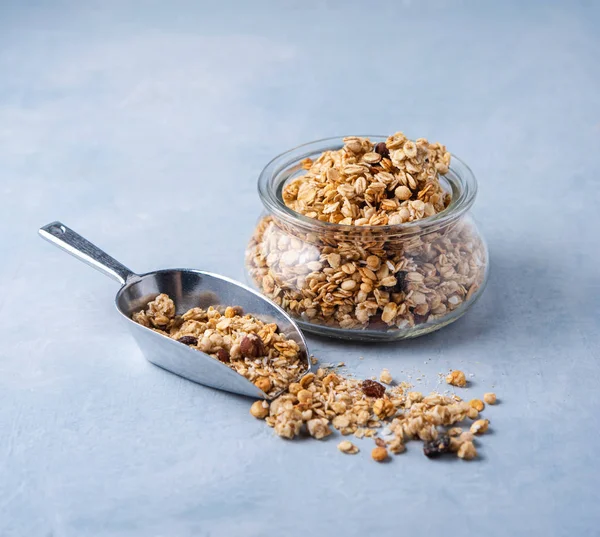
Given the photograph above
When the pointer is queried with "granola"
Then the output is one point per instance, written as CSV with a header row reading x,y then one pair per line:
x,y
366,184
393,416
249,346
361,276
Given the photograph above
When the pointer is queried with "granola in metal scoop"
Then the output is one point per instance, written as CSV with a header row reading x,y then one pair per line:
x,y
253,348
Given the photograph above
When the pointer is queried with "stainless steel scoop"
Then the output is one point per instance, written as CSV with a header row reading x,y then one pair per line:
x,y
188,288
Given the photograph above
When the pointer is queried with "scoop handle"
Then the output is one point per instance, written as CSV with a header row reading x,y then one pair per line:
x,y
74,244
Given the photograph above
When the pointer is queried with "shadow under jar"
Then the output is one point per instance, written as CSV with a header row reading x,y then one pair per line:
x,y
367,282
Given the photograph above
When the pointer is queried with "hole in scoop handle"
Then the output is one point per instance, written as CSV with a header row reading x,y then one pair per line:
x,y
74,244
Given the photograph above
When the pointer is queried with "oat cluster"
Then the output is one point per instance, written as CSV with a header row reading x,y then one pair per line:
x,y
254,349
366,282
366,184
392,416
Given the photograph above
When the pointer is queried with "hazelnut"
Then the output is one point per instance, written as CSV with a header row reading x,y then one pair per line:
x,y
260,409
252,346
379,454
489,398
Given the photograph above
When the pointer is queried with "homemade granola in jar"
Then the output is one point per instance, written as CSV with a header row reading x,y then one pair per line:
x,y
368,238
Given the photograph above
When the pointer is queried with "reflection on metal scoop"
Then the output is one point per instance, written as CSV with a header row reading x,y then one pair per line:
x,y
188,288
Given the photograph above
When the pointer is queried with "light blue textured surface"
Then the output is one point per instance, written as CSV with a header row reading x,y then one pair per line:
x,y
143,125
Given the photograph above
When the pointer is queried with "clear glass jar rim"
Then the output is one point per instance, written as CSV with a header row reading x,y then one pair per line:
x,y
460,177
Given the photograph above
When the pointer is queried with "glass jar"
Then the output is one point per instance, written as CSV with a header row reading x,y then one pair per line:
x,y
367,282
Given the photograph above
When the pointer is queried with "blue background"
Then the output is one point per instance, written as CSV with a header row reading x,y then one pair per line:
x,y
144,125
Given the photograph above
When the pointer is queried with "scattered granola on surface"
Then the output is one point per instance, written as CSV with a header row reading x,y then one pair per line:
x,y
393,415
362,278
252,348
385,377
489,398
366,184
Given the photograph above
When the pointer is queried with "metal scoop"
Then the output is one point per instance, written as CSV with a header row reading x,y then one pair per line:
x,y
188,288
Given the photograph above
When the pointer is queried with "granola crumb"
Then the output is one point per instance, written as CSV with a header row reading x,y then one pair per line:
x,y
318,428
489,398
456,378
397,446
379,454
347,447
385,377
467,451
472,413
477,404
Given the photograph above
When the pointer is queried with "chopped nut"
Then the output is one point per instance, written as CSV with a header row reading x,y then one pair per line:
x,y
455,431
480,426
259,409
223,356
385,377
467,451
477,404
347,447
384,408
263,383
473,413
467,436
415,397
456,378
489,398
379,454
294,388
318,428
380,442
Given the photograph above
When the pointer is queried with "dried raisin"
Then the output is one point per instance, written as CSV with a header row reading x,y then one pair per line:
x,y
400,280
372,389
382,149
437,447
188,340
